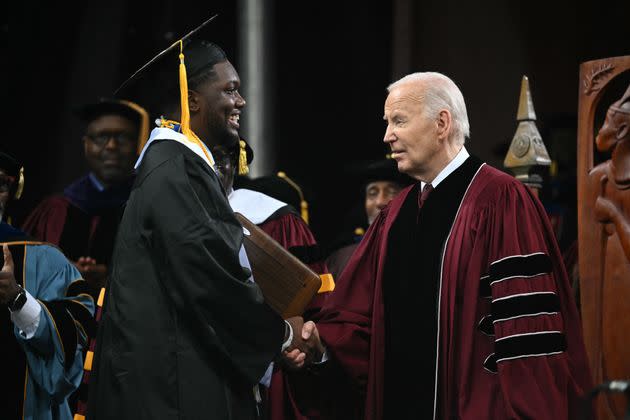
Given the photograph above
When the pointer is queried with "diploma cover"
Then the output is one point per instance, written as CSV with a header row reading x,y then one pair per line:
x,y
286,282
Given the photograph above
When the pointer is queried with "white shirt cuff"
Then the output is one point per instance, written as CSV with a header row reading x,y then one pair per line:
x,y
287,343
27,318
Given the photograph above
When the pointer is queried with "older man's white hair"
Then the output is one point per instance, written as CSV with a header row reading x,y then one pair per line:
x,y
438,93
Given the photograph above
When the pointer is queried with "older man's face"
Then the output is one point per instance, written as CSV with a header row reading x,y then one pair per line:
x,y
412,137
110,148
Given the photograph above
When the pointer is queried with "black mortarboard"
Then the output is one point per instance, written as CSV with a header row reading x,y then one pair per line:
x,y
124,108
198,55
158,75
379,170
280,187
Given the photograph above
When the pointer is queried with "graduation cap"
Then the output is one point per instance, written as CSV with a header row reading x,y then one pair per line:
x,y
124,108
379,170
280,187
194,57
15,170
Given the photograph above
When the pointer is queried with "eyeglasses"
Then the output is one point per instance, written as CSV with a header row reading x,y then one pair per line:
x,y
101,139
6,182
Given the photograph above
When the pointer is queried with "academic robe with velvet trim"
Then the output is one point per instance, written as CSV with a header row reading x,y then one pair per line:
x,y
282,223
83,221
40,372
184,334
459,310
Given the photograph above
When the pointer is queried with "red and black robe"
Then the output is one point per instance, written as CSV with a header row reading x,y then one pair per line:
x,y
83,221
460,310
282,223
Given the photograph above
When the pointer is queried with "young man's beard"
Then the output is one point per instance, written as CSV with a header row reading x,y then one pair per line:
x,y
221,135
229,140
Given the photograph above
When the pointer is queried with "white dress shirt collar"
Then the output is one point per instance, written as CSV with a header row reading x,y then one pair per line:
x,y
450,168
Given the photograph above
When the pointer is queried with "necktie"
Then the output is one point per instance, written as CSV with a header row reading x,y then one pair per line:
x,y
425,193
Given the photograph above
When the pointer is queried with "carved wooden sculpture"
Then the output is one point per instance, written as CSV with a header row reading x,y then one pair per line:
x,y
604,229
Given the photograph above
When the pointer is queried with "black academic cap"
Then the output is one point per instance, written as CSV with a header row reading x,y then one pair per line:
x,y
158,79
379,170
108,106
280,187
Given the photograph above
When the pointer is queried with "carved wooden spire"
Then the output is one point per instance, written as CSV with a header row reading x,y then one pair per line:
x,y
527,150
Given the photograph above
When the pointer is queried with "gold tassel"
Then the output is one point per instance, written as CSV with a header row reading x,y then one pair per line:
x,y
20,187
303,203
304,210
183,94
243,169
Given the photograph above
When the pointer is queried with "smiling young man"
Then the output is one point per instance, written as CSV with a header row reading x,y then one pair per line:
x,y
185,332
464,263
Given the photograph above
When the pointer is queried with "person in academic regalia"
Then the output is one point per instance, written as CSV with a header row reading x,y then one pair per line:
x,y
380,183
456,303
46,315
285,225
270,202
84,219
185,332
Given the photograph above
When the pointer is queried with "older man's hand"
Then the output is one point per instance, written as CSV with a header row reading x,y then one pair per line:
x,y
306,347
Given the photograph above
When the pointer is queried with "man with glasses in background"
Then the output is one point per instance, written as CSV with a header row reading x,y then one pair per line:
x,y
84,219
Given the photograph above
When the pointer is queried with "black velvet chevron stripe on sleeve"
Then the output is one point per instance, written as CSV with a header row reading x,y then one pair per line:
x,y
515,266
528,345
519,266
544,343
526,304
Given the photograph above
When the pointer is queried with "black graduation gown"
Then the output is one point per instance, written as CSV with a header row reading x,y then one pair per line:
x,y
183,335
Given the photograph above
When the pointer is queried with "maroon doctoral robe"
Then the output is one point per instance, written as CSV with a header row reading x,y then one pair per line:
x,y
460,310
280,221
83,221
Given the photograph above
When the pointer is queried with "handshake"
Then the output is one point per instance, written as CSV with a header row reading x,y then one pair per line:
x,y
306,346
